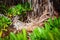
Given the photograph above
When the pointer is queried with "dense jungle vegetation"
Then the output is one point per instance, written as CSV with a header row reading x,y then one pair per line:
x,y
29,20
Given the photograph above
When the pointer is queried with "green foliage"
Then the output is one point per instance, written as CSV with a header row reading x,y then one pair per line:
x,y
50,32
0,38
44,34
3,9
22,36
55,22
12,36
18,36
27,6
4,23
19,9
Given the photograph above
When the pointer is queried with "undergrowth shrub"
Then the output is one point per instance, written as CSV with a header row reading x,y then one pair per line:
x,y
54,23
48,32
51,31
43,34
19,9
19,36
4,23
3,9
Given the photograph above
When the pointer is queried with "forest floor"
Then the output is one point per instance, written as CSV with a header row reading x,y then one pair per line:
x,y
38,22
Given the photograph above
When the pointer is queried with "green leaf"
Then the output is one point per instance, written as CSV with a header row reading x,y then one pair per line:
x,y
24,34
47,26
0,38
12,36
